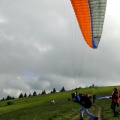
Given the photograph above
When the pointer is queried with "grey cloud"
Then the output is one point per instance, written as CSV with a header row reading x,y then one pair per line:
x,y
41,48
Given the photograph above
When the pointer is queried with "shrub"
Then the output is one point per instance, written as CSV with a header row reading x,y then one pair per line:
x,y
10,102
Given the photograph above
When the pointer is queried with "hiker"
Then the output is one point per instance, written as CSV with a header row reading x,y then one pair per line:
x,y
115,101
85,102
73,96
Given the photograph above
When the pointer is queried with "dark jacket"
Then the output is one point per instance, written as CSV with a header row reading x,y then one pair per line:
x,y
115,97
83,100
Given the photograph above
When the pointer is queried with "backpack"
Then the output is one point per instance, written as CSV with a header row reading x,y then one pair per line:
x,y
85,101
77,99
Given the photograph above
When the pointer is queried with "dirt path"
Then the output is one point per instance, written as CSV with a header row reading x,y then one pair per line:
x,y
100,113
75,117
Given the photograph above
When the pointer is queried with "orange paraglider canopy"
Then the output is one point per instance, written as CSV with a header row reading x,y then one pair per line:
x,y
90,16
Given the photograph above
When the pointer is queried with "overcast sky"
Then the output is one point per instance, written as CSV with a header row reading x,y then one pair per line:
x,y
41,48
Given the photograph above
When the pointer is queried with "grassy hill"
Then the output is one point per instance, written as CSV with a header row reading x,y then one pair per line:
x,y
40,107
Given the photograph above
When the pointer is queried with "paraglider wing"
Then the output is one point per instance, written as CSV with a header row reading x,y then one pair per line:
x,y
90,16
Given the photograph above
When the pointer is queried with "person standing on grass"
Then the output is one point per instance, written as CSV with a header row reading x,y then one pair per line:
x,y
73,96
85,102
115,101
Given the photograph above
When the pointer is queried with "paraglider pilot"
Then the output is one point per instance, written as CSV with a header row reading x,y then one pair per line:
x,y
85,102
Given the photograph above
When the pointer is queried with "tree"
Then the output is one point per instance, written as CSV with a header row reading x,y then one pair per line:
x,y
54,90
25,95
21,95
29,95
92,86
43,92
34,93
8,97
62,90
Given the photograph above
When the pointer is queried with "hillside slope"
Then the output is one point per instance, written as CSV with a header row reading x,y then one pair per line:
x,y
41,108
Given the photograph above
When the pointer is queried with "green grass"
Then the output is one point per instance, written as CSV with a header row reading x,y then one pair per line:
x,y
40,107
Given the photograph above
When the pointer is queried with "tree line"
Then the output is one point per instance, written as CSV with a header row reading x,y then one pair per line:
x,y
33,94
